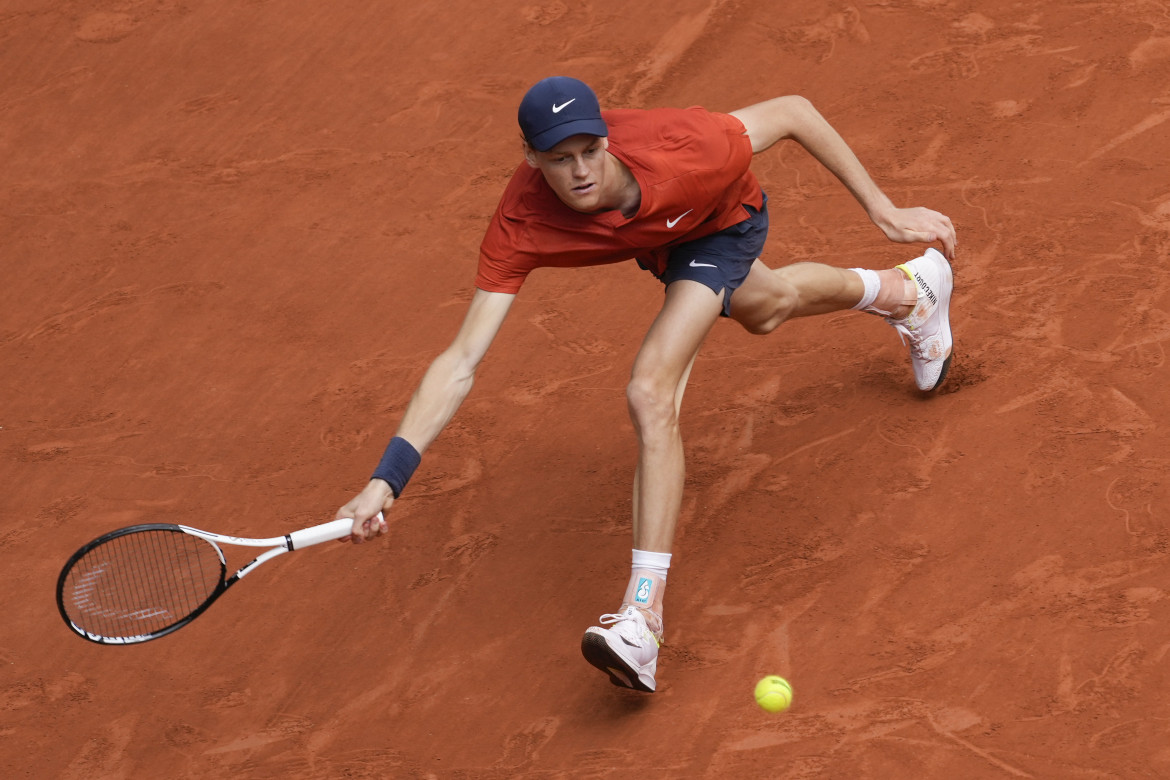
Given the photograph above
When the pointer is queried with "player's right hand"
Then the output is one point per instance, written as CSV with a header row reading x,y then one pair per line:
x,y
364,508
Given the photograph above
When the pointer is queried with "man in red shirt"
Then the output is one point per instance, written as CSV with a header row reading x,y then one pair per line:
x,y
673,189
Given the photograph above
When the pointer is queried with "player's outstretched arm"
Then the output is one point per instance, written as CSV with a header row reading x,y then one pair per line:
x,y
793,117
445,385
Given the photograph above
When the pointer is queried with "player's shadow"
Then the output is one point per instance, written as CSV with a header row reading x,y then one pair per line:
x,y
614,704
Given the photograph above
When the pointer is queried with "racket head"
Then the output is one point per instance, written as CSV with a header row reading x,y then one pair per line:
x,y
139,583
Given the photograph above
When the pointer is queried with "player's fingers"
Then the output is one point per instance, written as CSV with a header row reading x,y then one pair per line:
x,y
345,513
947,237
945,231
361,530
948,242
919,236
370,529
942,232
376,526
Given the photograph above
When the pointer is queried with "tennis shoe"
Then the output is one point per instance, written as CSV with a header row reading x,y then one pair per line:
x,y
927,328
627,651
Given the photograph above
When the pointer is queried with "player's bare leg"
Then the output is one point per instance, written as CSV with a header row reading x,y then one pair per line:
x,y
770,296
914,298
654,395
628,649
678,398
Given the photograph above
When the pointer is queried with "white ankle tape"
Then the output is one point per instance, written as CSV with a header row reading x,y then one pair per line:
x,y
872,285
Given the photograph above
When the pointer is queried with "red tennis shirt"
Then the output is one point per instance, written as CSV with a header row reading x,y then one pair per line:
x,y
692,167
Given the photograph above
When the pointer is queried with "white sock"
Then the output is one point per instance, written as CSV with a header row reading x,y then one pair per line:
x,y
656,562
872,285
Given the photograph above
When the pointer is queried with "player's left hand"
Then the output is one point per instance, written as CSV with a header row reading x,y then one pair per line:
x,y
920,225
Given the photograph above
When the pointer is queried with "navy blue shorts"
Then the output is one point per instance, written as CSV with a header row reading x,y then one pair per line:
x,y
721,260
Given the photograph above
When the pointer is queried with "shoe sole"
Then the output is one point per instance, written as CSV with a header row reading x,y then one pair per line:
x,y
598,653
946,321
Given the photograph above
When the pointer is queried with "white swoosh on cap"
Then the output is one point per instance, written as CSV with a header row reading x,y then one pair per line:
x,y
557,109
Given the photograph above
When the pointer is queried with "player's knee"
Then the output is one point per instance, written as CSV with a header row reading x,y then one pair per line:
x,y
651,405
770,312
762,326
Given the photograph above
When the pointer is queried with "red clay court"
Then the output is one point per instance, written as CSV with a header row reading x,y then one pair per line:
x,y
234,235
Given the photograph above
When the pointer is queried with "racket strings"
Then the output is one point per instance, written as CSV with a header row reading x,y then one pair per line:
x,y
141,583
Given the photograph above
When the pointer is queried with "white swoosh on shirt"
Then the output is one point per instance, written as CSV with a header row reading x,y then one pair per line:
x,y
670,223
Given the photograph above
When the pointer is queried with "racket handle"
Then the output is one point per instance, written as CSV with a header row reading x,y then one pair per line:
x,y
326,532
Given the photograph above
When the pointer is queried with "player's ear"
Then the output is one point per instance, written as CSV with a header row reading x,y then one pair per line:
x,y
529,154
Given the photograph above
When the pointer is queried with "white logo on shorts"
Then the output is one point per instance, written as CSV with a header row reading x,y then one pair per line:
x,y
697,264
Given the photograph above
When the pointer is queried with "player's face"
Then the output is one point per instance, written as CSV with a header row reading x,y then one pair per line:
x,y
575,169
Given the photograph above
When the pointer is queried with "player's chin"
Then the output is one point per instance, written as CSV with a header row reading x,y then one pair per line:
x,y
583,199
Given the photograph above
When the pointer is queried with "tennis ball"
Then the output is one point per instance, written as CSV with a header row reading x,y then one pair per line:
x,y
773,693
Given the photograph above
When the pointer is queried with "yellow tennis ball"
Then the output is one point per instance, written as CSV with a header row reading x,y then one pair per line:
x,y
773,693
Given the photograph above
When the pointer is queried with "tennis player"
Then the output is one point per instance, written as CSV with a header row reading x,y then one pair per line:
x,y
673,189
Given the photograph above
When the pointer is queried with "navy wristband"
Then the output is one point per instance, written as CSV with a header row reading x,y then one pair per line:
x,y
398,464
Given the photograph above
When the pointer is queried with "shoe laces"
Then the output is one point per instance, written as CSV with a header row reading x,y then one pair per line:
x,y
616,617
626,623
921,345
914,338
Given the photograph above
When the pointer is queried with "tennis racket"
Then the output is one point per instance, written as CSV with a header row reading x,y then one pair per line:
x,y
144,581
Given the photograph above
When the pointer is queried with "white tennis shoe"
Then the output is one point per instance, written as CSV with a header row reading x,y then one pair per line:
x,y
927,327
627,651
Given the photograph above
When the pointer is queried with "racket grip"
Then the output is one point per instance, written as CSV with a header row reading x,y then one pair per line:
x,y
326,532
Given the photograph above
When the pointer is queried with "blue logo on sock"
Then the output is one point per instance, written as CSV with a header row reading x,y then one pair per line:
x,y
642,595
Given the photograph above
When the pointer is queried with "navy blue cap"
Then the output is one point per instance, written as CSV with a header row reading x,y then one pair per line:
x,y
557,108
